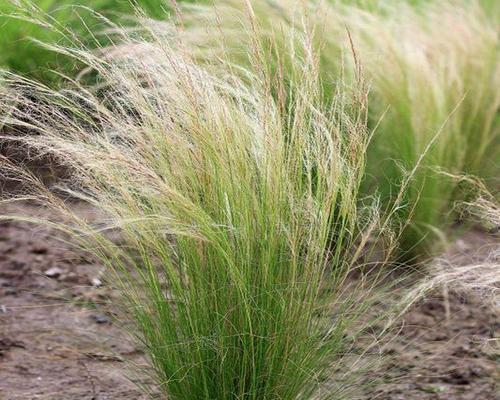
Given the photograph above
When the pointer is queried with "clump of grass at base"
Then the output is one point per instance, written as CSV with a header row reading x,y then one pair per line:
x,y
433,70
236,199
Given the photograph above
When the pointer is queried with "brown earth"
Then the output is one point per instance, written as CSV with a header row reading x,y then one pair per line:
x,y
58,342
57,339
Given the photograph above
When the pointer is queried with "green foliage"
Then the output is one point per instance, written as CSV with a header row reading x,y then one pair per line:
x,y
433,68
235,195
436,75
456,68
235,189
23,25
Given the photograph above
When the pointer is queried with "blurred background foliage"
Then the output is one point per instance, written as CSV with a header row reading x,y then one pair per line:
x,y
19,50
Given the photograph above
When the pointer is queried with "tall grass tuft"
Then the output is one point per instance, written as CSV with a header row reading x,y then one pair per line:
x,y
236,196
433,69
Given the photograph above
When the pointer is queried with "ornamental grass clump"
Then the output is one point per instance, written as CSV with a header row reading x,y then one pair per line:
x,y
235,193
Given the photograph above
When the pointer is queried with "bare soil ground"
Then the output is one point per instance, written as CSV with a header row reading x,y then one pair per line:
x,y
57,341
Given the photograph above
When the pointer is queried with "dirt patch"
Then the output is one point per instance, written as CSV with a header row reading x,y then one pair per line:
x,y
440,357
448,346
57,340
56,336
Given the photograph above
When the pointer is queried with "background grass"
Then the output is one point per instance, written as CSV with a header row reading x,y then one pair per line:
x,y
436,71
18,51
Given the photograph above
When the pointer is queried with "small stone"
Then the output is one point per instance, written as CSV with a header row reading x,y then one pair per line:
x,y
53,272
461,244
96,282
100,319
39,250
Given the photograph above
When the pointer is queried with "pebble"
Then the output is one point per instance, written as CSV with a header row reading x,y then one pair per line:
x,y
96,282
100,319
53,272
